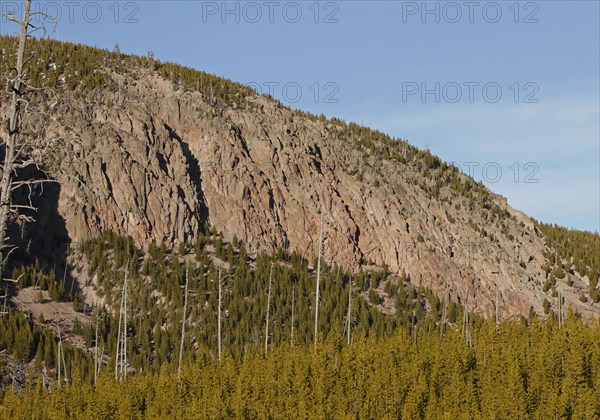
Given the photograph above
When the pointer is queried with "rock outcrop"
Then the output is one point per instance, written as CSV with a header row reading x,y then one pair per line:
x,y
156,162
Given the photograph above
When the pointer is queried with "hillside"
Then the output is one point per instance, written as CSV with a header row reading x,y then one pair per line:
x,y
156,151
174,244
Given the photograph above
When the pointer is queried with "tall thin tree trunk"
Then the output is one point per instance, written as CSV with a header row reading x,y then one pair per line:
x,y
444,314
96,351
121,353
6,183
58,358
126,286
497,308
293,307
219,320
349,322
560,310
268,310
318,281
118,353
183,325
64,364
467,327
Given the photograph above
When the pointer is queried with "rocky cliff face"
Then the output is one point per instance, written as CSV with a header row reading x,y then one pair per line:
x,y
156,162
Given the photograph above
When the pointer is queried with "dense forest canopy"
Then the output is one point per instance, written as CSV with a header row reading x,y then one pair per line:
x,y
513,370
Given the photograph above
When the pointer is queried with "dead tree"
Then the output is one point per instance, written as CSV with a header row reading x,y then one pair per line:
x,y
96,370
318,281
293,308
349,316
183,325
60,357
16,148
444,314
221,280
12,145
219,321
268,310
121,353
466,325
561,318
497,306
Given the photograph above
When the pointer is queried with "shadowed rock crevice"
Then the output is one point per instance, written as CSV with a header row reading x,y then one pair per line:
x,y
46,239
194,174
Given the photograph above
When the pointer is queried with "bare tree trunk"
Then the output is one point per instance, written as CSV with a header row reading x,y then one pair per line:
x,y
497,308
62,355
96,351
560,310
318,281
8,169
219,320
61,365
121,354
183,325
467,328
293,307
125,292
118,354
11,146
58,357
349,322
14,146
444,315
268,310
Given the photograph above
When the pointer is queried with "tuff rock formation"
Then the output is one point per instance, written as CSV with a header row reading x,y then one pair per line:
x,y
156,162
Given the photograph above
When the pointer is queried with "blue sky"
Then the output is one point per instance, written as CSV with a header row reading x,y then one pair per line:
x,y
509,86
